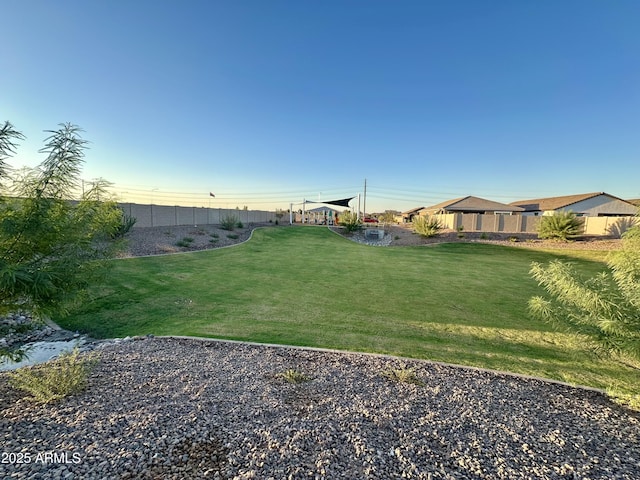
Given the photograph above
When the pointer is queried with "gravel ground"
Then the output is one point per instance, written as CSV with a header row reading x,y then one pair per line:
x,y
163,240
222,410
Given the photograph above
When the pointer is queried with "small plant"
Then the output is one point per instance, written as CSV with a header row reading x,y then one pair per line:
x,y
560,226
350,222
294,376
124,226
427,226
185,242
402,375
55,380
213,240
239,224
514,239
233,236
461,235
229,222
484,236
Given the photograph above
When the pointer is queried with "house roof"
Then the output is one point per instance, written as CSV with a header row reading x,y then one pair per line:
x,y
554,203
413,210
471,203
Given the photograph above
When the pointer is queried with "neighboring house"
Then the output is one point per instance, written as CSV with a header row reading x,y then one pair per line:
x,y
407,217
470,204
598,204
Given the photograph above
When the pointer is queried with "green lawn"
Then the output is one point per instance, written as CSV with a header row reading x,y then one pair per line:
x,y
458,303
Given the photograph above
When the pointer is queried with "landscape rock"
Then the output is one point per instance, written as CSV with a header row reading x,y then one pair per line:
x,y
187,408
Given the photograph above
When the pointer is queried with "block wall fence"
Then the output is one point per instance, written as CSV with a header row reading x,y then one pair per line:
x,y
167,216
475,222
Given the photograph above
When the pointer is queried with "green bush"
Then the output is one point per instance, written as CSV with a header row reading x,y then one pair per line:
x,y
605,308
560,226
55,380
427,226
233,236
350,221
185,242
229,222
124,226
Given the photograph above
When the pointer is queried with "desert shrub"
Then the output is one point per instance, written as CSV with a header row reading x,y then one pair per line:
x,y
427,226
620,226
124,226
185,242
560,226
294,376
54,380
402,375
605,308
239,224
229,222
350,221
233,236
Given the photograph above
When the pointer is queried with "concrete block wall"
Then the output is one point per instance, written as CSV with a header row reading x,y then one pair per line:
x,y
166,216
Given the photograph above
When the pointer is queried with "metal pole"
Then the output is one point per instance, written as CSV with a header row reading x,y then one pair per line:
x,y
364,206
303,209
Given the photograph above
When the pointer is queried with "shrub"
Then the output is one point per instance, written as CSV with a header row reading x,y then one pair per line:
x,y
350,221
124,226
427,226
239,224
229,222
233,236
185,242
560,226
55,380
605,308
294,376
402,375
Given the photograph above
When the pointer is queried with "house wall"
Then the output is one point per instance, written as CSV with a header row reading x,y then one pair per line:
x,y
165,216
600,205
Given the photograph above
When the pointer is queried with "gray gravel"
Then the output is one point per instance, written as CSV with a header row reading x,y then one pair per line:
x,y
178,408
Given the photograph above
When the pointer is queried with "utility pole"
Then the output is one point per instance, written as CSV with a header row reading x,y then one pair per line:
x,y
364,205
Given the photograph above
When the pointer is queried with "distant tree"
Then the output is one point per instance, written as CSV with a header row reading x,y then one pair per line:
x,y
388,216
560,226
605,308
51,247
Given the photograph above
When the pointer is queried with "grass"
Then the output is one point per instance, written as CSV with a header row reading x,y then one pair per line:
x,y
459,303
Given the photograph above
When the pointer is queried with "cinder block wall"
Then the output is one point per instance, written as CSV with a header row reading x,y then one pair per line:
x,y
166,216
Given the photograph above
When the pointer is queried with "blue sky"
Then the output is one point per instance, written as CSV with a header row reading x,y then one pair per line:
x,y
268,102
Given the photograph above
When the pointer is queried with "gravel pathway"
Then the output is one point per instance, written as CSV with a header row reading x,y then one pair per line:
x,y
160,408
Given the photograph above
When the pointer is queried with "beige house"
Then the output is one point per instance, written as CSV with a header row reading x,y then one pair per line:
x,y
471,204
598,204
